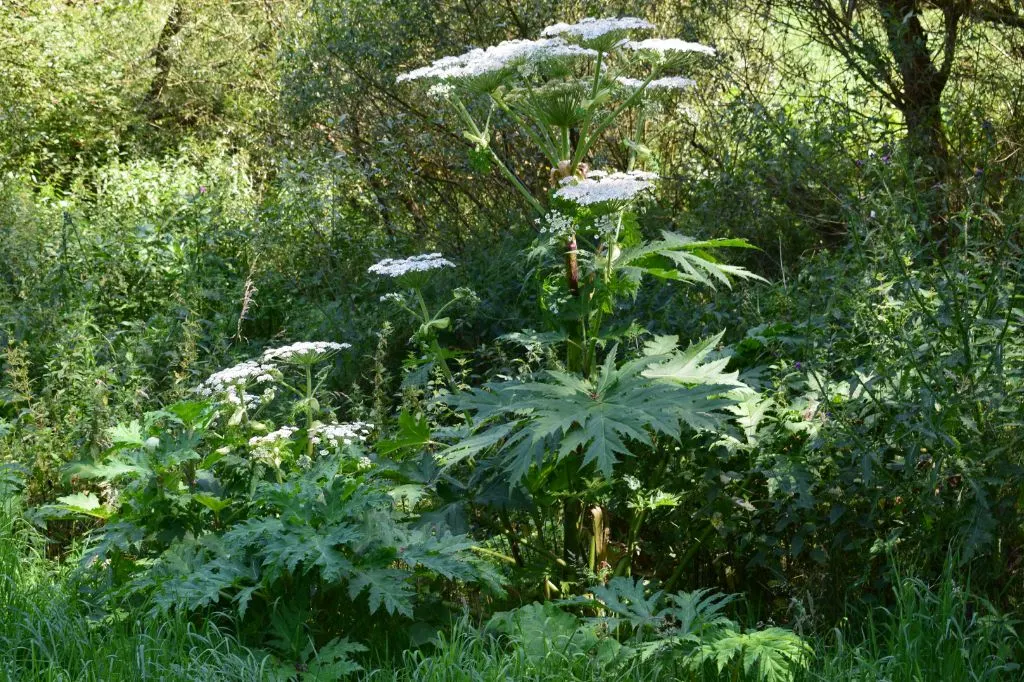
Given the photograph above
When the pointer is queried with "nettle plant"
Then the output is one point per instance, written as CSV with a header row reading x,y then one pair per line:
x,y
571,92
256,498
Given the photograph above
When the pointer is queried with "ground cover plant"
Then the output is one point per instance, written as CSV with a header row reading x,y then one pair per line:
x,y
489,341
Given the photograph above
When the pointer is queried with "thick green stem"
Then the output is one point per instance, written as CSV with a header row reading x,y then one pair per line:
x,y
638,137
545,143
588,140
597,74
517,183
432,343
481,139
572,546
309,409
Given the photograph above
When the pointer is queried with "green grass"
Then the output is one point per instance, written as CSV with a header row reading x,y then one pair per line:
x,y
932,633
48,631
464,655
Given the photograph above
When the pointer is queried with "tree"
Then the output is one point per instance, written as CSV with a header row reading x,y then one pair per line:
x,y
906,50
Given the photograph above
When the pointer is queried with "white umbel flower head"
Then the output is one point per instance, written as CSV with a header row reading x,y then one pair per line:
x,y
282,434
557,225
337,435
664,46
393,297
497,58
591,31
396,267
230,384
303,351
666,83
614,187
273,445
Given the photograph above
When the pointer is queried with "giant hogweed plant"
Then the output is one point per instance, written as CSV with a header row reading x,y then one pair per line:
x,y
574,90
255,498
626,621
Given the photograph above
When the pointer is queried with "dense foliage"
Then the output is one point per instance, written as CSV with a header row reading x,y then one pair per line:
x,y
684,343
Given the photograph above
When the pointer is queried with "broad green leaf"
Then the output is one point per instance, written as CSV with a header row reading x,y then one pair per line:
x,y
215,504
126,435
599,419
413,432
84,503
386,587
688,367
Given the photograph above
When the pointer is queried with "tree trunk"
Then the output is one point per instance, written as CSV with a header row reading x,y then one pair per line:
x,y
923,84
162,56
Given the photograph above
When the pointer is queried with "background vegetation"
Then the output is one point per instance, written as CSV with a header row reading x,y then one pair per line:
x,y
186,183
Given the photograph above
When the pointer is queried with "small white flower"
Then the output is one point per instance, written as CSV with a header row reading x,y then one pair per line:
x,y
303,350
152,443
664,45
393,297
364,463
396,267
614,187
591,28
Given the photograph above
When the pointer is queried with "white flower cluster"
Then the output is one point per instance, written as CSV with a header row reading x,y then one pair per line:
x,y
396,267
614,187
271,446
664,45
303,350
557,225
440,90
274,437
480,62
607,226
393,297
231,383
591,28
336,435
667,83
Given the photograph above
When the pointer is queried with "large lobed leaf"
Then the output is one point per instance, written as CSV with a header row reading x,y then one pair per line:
x,y
597,419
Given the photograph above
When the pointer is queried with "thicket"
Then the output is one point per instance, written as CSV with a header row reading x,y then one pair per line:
x,y
754,335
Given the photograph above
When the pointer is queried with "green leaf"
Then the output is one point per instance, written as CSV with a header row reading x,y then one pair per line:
x,y
413,432
473,446
387,587
687,368
110,470
685,259
126,435
215,504
771,655
597,420
333,660
84,503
